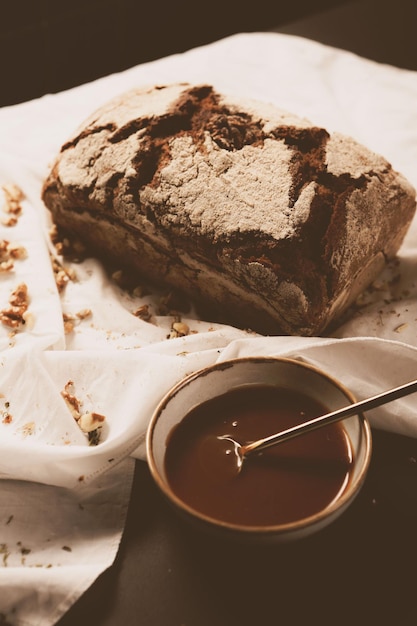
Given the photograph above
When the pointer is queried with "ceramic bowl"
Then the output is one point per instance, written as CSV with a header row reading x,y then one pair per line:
x,y
223,377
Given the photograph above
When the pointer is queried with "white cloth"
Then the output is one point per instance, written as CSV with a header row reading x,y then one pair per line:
x,y
121,366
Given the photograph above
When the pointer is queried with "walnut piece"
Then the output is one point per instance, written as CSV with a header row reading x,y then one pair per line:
x,y
12,206
71,400
14,316
89,422
10,252
63,275
70,321
178,329
143,312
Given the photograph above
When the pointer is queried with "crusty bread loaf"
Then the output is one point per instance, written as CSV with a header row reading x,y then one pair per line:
x,y
265,220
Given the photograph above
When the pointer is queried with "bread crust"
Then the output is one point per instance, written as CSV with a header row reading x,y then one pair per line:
x,y
265,220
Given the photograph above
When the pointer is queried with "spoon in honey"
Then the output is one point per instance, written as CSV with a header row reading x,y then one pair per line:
x,y
243,451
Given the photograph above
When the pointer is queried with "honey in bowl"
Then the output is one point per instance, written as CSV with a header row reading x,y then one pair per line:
x,y
285,483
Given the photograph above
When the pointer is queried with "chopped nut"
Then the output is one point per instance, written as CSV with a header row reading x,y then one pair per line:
x,y
4,244
6,417
71,273
9,221
70,321
90,421
13,207
62,274
13,192
19,295
84,314
143,313
179,329
59,248
14,316
11,318
13,196
28,319
16,252
61,279
68,324
53,234
72,402
6,266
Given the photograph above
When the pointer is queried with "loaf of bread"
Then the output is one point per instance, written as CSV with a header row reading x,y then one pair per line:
x,y
266,221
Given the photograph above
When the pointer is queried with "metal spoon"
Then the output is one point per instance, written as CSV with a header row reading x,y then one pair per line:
x,y
243,451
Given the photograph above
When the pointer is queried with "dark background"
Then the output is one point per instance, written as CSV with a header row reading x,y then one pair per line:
x,y
47,46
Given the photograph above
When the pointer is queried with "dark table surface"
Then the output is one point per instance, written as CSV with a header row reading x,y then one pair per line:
x,y
361,570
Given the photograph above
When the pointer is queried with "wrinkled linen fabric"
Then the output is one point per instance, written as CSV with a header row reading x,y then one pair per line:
x,y
63,502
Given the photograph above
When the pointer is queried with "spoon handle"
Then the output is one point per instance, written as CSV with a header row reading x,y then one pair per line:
x,y
334,416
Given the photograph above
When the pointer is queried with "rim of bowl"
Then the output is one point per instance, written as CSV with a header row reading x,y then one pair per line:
x,y
279,529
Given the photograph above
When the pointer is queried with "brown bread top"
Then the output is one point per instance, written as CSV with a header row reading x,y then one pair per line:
x,y
265,219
